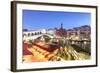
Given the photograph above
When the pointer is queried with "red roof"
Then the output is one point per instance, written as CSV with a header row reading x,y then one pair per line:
x,y
25,49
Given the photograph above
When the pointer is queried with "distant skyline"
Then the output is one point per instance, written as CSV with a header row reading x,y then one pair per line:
x,y
34,20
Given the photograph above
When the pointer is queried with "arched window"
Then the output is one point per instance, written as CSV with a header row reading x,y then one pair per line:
x,y
35,33
28,34
32,34
40,32
24,35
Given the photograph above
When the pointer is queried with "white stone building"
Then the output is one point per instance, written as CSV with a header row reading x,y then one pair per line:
x,y
31,35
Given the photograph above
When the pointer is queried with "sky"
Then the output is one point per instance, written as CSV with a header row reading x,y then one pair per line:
x,y
35,20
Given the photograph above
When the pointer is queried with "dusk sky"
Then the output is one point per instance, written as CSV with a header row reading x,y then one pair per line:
x,y
34,20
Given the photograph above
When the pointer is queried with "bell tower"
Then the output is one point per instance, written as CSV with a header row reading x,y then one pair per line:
x,y
61,26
